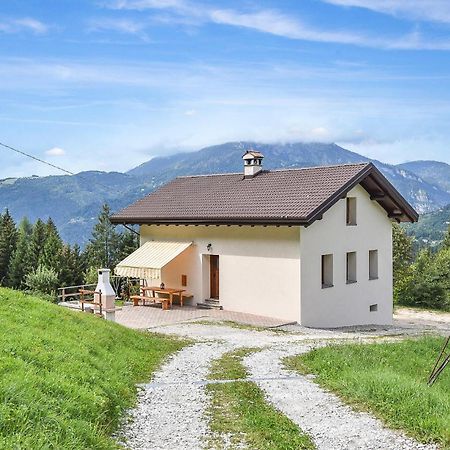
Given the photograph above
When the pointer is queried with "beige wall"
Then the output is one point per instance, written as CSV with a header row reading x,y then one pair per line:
x,y
259,266
347,304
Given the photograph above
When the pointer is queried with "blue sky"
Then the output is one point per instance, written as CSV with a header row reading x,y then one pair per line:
x,y
108,84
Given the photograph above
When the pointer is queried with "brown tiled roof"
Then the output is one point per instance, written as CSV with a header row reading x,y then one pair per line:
x,y
285,197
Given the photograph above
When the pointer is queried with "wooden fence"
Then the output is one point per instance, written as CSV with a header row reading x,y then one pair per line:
x,y
73,292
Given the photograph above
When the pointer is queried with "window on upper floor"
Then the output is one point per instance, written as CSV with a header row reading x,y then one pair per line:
x,y
373,264
351,267
351,210
327,271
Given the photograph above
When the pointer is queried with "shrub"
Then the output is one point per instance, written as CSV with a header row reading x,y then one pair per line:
x,y
43,280
427,282
91,275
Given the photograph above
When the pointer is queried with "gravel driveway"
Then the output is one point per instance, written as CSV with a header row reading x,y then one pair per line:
x,y
330,423
170,413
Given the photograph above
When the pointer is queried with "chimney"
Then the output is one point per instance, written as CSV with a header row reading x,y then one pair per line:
x,y
252,163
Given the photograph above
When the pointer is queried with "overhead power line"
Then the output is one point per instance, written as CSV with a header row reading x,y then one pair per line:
x,y
55,167
36,159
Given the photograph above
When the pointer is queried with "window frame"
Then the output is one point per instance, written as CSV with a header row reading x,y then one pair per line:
x,y
373,260
351,267
351,211
327,270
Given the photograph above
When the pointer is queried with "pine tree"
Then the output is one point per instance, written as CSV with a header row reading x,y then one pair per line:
x,y
78,264
18,267
102,249
73,266
8,242
128,243
51,256
25,227
36,246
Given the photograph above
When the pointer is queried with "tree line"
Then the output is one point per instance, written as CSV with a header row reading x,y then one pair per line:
x,y
34,257
421,278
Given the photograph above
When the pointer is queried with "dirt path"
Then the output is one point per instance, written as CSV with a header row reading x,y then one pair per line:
x,y
422,320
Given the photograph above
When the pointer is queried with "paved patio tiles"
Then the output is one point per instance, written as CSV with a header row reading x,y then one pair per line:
x,y
143,317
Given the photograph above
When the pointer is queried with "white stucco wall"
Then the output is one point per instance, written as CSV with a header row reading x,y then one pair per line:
x,y
347,304
276,271
259,266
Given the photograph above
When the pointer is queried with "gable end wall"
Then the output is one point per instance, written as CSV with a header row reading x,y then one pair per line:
x,y
347,304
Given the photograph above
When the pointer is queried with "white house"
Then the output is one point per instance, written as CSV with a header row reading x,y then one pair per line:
x,y
311,245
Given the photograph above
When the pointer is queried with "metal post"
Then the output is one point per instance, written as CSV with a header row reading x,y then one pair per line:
x,y
440,364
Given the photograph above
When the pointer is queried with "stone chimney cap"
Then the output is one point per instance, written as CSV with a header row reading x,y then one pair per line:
x,y
252,154
252,163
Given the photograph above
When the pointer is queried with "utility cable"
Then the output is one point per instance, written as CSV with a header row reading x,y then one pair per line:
x,y
36,159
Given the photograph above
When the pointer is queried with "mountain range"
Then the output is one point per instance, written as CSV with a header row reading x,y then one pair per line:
x,y
74,201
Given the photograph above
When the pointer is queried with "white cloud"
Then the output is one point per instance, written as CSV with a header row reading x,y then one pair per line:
x,y
190,112
55,151
320,132
147,4
23,24
127,26
123,25
402,149
274,22
428,10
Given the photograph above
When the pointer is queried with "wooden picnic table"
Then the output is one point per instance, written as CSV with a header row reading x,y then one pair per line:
x,y
170,291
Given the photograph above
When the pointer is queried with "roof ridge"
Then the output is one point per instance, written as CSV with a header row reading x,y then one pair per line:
x,y
209,175
321,167
291,169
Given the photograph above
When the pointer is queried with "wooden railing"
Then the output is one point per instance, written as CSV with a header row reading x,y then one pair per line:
x,y
73,291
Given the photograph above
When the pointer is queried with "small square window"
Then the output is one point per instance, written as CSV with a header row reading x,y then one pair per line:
x,y
327,271
351,211
373,308
351,267
373,264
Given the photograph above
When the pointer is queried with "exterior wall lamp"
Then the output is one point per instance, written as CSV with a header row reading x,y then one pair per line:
x,y
209,247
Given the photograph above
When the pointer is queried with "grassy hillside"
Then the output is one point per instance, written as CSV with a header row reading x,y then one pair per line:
x,y
66,377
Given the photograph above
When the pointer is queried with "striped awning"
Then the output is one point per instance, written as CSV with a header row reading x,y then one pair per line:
x,y
148,260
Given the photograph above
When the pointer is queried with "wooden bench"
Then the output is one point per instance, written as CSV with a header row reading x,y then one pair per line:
x,y
164,302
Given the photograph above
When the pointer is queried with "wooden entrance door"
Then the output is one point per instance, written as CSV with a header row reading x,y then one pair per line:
x,y
214,276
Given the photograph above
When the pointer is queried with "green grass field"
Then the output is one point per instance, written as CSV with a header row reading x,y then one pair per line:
x,y
390,380
239,410
66,377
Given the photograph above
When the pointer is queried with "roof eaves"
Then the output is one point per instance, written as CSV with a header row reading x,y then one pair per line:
x,y
395,195
283,221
